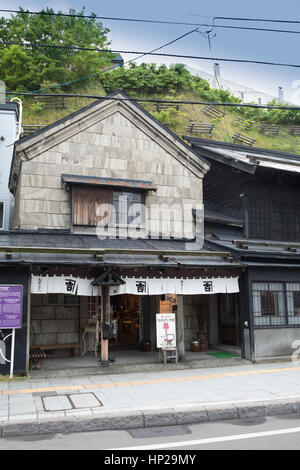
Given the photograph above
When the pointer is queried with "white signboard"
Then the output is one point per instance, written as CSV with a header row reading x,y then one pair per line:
x,y
165,330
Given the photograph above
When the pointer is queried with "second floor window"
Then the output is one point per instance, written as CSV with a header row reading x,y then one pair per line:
x,y
273,220
106,208
128,207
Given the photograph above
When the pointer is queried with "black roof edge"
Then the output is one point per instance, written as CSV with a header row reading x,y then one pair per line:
x,y
220,218
245,148
242,255
247,167
68,232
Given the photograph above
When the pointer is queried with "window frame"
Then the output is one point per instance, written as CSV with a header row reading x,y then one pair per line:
x,y
289,316
287,319
115,223
142,202
2,227
272,219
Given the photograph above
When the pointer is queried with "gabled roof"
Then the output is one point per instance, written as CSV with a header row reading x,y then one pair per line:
x,y
30,146
243,157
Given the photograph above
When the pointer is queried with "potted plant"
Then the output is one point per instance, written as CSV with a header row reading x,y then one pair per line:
x,y
195,346
146,346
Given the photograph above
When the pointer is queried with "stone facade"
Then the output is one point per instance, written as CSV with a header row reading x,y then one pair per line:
x,y
54,320
119,142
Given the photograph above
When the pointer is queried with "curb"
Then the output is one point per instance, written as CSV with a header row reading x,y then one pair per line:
x,y
131,419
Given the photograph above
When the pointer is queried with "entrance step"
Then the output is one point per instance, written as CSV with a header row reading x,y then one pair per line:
x,y
113,368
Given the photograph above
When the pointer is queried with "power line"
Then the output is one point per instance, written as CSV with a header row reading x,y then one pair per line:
x,y
231,18
263,20
153,100
216,77
142,20
143,53
115,66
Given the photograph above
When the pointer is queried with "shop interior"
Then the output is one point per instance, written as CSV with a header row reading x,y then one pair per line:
x,y
59,318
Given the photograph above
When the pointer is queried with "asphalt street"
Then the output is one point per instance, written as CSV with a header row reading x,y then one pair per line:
x,y
266,433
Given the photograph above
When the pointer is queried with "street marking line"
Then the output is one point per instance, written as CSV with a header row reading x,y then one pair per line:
x,y
212,440
147,381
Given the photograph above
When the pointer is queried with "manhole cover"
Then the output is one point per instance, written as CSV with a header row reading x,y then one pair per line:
x,y
73,401
84,400
159,431
58,403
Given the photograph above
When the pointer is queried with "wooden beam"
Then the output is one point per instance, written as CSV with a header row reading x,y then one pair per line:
x,y
110,251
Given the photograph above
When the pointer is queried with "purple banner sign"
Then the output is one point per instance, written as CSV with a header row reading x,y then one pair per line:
x,y
11,302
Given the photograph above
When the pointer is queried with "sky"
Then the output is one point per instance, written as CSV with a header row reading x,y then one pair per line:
x,y
227,43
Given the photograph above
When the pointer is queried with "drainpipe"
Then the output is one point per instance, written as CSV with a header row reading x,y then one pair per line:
x,y
19,132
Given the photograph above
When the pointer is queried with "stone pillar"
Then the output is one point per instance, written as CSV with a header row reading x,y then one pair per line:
x,y
180,328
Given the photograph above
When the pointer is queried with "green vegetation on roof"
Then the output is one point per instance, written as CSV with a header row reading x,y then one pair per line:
x,y
176,83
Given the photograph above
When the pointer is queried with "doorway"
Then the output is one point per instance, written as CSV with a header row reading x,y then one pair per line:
x,y
228,319
125,316
168,303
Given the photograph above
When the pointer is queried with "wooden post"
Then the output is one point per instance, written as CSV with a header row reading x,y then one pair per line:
x,y
105,299
180,328
237,323
98,333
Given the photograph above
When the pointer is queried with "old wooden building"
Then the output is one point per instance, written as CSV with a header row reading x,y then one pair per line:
x,y
107,232
252,206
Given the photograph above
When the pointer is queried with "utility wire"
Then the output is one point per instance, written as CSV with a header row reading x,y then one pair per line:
x,y
115,66
137,20
209,38
152,53
263,20
153,100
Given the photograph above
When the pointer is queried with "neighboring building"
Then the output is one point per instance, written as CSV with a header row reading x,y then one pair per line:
x,y
107,197
245,93
252,207
117,61
9,117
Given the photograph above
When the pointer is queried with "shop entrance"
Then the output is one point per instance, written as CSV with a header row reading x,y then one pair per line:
x,y
168,303
228,319
125,315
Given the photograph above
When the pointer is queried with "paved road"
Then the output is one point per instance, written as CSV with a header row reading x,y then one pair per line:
x,y
269,433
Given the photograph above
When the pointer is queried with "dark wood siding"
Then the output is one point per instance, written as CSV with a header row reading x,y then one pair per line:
x,y
222,185
273,213
271,199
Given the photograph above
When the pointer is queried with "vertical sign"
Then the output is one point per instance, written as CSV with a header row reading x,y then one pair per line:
x,y
165,330
11,300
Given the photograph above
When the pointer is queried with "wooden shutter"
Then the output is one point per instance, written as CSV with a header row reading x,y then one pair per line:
x,y
86,200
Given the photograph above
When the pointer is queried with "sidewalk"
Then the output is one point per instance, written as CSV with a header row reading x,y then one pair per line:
x,y
155,398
